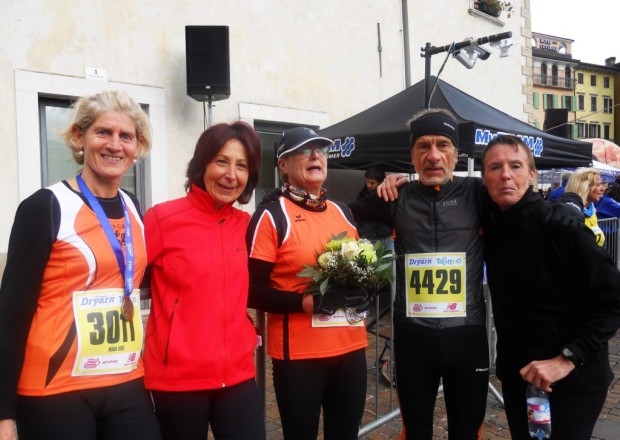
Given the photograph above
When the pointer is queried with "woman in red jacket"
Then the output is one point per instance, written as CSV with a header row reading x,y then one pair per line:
x,y
199,354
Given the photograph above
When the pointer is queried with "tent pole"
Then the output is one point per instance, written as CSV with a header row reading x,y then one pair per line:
x,y
427,75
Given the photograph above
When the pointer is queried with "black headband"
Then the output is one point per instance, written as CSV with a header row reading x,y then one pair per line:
x,y
434,124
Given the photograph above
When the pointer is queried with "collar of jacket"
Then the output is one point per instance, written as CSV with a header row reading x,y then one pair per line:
x,y
204,201
434,188
529,200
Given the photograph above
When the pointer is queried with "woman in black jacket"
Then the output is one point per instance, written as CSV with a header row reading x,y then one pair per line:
x,y
555,297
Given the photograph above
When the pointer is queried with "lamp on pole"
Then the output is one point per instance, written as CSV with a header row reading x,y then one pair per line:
x,y
428,51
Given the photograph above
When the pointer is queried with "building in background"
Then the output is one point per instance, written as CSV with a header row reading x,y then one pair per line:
x,y
554,85
571,98
291,63
595,90
611,62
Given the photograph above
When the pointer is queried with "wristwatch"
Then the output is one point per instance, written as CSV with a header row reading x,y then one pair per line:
x,y
568,354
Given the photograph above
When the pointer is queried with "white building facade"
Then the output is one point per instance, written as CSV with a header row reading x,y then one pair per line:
x,y
291,63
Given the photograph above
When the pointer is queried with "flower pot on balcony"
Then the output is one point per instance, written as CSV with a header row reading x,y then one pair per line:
x,y
489,9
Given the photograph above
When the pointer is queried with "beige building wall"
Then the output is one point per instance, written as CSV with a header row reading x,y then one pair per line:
x,y
293,62
595,96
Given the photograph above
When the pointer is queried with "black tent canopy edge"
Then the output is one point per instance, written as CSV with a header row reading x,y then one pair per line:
x,y
379,135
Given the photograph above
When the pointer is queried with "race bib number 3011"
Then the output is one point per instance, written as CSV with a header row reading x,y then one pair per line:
x,y
107,342
436,284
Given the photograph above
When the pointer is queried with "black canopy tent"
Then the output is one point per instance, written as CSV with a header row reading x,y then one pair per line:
x,y
380,136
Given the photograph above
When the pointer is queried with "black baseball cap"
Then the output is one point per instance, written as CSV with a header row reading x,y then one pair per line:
x,y
295,138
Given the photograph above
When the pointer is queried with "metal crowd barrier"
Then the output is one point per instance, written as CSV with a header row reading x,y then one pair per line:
x,y
611,228
383,364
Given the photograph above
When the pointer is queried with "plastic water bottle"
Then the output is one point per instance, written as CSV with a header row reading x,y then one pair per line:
x,y
538,412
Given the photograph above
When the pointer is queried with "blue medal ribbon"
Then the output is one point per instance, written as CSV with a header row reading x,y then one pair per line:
x,y
125,264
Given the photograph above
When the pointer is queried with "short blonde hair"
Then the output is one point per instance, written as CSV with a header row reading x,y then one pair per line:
x,y
87,109
582,182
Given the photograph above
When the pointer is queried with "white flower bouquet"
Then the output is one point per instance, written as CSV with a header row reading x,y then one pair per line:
x,y
345,261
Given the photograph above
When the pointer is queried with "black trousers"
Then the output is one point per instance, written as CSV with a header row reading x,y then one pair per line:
x,y
460,357
120,412
573,416
335,384
234,413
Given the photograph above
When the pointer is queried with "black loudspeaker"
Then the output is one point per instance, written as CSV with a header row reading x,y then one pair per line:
x,y
555,122
208,62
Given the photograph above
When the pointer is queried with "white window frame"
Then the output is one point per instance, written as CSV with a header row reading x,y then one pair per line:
x,y
29,86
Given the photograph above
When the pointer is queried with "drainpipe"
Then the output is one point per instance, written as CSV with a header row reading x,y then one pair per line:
x,y
407,60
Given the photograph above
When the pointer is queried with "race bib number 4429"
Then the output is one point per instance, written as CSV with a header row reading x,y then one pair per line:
x,y
436,284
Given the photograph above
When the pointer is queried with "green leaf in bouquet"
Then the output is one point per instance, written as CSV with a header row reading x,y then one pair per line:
x,y
339,236
323,286
308,272
383,267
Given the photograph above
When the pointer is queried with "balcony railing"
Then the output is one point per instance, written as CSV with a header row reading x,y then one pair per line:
x,y
554,81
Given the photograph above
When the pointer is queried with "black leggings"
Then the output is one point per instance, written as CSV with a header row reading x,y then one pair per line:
x,y
337,384
120,412
460,357
234,412
573,416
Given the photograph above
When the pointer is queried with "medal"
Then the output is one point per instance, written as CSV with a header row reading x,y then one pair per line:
x,y
126,268
127,308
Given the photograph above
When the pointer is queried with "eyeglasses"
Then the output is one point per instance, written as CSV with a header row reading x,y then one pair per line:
x,y
307,152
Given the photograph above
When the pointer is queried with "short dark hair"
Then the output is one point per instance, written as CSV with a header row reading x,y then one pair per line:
x,y
566,175
375,173
211,142
512,141
613,191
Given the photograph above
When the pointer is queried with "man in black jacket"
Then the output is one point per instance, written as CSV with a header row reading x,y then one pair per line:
x,y
439,310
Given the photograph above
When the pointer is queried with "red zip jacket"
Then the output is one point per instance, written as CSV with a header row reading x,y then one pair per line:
x,y
198,335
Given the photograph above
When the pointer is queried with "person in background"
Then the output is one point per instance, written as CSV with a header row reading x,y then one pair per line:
x,y
555,193
318,364
549,280
374,176
199,353
587,183
617,181
609,205
439,310
70,326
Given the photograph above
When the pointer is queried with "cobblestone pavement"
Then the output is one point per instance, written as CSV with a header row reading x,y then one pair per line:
x,y
494,427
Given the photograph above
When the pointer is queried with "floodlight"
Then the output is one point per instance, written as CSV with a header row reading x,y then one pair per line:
x,y
504,47
467,56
